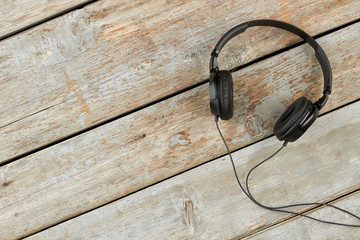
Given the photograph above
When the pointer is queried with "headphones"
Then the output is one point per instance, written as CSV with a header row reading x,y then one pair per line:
x,y
291,125
300,115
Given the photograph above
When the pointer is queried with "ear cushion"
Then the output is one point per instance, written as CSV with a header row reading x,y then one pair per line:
x,y
225,87
292,118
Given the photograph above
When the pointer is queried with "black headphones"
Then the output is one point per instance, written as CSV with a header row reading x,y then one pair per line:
x,y
300,115
292,124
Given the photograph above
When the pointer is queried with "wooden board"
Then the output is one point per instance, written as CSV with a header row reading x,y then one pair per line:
x,y
115,56
303,229
17,15
206,203
167,138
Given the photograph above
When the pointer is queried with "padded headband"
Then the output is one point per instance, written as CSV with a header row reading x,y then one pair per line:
x,y
319,52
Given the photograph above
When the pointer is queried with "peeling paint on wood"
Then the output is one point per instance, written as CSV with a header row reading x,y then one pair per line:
x,y
114,160
123,54
15,15
321,168
78,95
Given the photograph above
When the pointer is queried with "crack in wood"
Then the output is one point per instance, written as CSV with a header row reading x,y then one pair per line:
x,y
189,213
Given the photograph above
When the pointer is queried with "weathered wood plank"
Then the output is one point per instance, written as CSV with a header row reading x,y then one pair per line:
x,y
166,138
114,56
206,203
303,229
16,15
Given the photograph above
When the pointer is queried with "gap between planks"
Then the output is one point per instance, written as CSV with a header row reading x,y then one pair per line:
x,y
46,19
340,198
322,231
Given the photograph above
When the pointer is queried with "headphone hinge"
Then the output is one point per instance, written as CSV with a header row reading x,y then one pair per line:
x,y
215,52
214,65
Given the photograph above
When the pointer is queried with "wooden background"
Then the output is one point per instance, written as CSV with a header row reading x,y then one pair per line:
x,y
106,130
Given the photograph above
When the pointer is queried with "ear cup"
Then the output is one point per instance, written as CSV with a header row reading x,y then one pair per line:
x,y
287,126
225,94
213,90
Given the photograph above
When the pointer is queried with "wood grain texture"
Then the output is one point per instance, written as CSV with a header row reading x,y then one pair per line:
x,y
19,14
167,138
318,167
114,56
303,229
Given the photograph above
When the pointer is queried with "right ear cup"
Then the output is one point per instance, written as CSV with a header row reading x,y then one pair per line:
x,y
295,120
225,94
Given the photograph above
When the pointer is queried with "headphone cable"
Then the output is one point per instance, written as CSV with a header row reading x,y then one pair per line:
x,y
277,209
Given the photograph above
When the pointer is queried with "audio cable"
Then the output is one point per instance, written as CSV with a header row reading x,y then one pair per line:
x,y
279,209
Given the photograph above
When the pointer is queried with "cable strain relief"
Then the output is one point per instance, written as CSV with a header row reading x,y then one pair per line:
x,y
216,118
285,143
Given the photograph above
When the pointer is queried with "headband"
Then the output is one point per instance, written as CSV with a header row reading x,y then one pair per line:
x,y
319,52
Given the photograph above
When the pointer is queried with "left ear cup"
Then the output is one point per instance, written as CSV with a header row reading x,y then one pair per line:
x,y
213,90
296,119
225,94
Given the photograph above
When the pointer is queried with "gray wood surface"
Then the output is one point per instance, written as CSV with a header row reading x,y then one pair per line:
x,y
303,229
206,203
150,145
114,56
19,14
